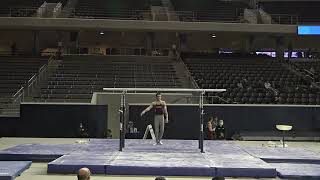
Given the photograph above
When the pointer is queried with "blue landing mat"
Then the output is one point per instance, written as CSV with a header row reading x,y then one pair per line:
x,y
231,161
294,155
165,164
174,158
47,153
297,170
9,170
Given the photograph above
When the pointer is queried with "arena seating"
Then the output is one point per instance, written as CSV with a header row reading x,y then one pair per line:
x,y
245,81
114,9
156,2
23,8
76,80
224,11
307,11
312,67
15,73
22,3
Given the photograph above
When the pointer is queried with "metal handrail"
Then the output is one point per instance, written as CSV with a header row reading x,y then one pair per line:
x,y
32,81
35,76
18,95
309,72
189,73
18,92
220,98
304,72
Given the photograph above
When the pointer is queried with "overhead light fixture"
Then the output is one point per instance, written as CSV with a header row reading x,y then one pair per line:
x,y
213,36
101,33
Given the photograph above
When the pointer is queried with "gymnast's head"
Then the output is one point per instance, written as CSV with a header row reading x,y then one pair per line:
x,y
84,174
158,96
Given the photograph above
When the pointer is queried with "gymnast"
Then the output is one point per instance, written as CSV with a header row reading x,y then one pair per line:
x,y
160,117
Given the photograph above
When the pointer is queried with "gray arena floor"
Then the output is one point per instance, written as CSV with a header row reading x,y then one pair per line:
x,y
38,171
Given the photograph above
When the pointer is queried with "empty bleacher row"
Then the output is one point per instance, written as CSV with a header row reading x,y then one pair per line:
x,y
125,9
251,81
311,67
76,80
14,74
306,11
207,10
23,8
224,11
21,3
302,12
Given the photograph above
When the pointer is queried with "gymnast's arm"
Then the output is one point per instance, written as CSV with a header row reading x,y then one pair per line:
x,y
165,112
147,109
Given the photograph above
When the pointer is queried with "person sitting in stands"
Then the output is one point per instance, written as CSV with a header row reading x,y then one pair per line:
x,y
240,85
211,127
82,131
109,134
84,174
220,130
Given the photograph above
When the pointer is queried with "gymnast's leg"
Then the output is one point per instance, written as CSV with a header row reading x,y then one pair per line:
x,y
161,128
157,127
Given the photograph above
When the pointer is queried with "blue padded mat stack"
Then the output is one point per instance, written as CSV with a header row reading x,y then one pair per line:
x,y
37,152
72,163
231,161
11,169
173,158
49,152
279,154
290,162
298,170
